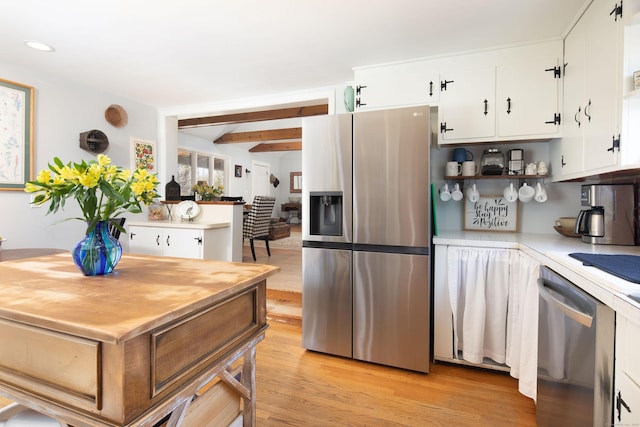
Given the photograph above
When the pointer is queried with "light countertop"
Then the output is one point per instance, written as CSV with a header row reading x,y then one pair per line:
x,y
181,224
553,251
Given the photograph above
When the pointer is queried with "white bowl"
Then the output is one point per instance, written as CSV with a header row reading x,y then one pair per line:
x,y
295,199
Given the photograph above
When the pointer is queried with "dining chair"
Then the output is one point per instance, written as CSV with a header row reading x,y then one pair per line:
x,y
113,230
256,225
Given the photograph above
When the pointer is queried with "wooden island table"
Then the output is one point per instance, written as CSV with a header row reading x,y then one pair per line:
x,y
134,347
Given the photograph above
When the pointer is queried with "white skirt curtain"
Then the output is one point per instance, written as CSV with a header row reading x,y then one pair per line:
x,y
522,323
478,281
494,301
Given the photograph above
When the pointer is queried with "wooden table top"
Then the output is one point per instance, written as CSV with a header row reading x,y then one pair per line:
x,y
142,293
12,254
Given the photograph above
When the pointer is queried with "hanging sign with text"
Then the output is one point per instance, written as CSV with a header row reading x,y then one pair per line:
x,y
491,213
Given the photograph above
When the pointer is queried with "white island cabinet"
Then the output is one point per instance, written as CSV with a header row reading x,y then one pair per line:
x,y
183,240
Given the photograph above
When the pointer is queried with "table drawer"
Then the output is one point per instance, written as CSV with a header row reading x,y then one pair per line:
x,y
50,363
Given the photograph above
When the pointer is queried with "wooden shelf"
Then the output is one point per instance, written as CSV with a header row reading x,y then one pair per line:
x,y
477,177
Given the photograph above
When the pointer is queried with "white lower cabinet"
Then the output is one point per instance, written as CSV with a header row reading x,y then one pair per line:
x,y
179,242
626,404
485,310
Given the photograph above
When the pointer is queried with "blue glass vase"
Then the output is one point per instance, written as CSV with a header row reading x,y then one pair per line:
x,y
98,252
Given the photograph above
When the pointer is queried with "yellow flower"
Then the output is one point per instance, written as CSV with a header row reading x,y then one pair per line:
x,y
102,190
103,160
69,174
44,176
32,188
124,174
90,179
140,174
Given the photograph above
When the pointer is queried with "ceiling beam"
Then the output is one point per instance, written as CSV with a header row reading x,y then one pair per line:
x,y
255,116
260,135
277,146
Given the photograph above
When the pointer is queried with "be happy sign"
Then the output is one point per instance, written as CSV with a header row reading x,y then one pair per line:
x,y
491,213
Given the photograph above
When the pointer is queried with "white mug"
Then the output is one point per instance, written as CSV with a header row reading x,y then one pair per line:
x,y
510,193
456,194
445,194
542,168
453,169
473,195
531,169
525,193
541,194
470,168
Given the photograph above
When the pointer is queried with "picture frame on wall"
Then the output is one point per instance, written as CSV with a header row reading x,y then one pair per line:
x,y
238,171
143,155
490,213
16,135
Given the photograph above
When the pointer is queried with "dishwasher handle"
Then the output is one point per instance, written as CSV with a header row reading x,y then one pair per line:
x,y
581,317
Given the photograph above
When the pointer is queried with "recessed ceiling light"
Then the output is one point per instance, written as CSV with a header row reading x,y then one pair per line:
x,y
43,47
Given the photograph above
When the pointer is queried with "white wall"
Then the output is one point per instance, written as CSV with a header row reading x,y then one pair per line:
x,y
534,217
62,111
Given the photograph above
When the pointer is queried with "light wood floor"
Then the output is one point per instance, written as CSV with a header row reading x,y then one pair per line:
x,y
296,387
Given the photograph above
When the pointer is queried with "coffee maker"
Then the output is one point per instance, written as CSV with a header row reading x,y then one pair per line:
x,y
610,217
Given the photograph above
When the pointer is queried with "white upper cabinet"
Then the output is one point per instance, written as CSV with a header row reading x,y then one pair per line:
x,y
474,92
503,95
527,101
467,108
598,135
396,85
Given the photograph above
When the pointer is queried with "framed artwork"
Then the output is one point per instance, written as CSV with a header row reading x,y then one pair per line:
x,y
143,155
490,213
238,171
16,135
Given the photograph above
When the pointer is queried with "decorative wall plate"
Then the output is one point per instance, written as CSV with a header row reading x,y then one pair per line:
x,y
188,209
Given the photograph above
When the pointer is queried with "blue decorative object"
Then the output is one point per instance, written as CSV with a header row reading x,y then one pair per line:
x,y
98,252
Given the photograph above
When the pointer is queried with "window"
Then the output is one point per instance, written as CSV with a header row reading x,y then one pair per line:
x,y
194,167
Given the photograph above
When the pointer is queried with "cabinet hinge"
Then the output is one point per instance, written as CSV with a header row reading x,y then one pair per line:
x,y
443,84
359,103
617,11
615,143
557,71
443,128
555,121
620,403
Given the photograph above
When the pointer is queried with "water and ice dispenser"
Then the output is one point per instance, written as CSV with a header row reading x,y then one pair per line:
x,y
325,213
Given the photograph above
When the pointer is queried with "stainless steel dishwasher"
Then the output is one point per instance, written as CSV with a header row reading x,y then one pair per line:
x,y
575,355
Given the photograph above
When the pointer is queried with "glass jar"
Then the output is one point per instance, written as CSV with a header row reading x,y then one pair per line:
x,y
492,162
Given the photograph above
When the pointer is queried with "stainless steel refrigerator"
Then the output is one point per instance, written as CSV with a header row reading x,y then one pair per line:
x,y
366,236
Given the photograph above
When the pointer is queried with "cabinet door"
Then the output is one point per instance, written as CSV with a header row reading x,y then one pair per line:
x,y
568,158
183,243
602,101
527,99
626,402
467,105
396,85
145,240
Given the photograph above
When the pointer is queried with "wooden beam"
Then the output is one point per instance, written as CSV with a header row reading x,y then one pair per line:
x,y
255,116
260,135
277,146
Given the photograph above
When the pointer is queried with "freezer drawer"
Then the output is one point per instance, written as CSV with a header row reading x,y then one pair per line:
x,y
391,309
326,301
